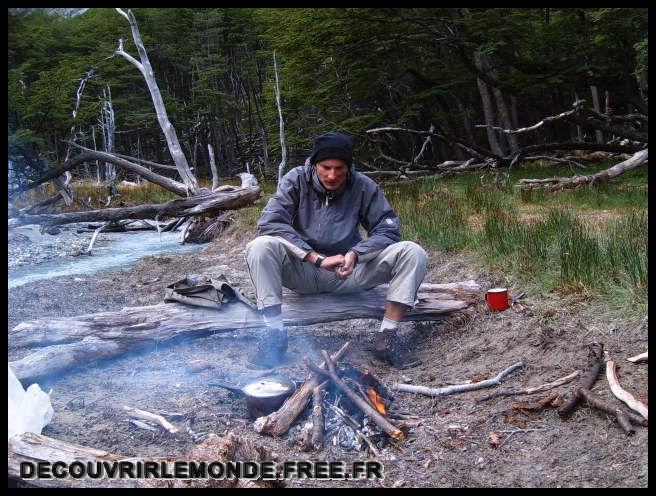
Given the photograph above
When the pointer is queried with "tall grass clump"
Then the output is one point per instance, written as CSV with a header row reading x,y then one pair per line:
x,y
626,248
434,215
581,258
503,233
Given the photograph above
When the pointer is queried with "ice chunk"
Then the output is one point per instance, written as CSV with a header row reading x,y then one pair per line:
x,y
28,411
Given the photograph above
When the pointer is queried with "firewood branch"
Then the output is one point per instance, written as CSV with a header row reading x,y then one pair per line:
x,y
135,412
625,419
642,357
621,393
458,388
595,359
532,390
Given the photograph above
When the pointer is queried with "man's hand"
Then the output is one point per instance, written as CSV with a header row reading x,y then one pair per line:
x,y
349,264
333,263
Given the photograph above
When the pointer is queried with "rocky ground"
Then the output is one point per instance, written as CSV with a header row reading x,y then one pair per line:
x,y
453,441
27,245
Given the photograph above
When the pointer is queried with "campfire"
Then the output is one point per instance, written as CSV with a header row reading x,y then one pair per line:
x,y
350,408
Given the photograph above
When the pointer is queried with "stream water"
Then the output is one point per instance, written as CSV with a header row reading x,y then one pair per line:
x,y
112,251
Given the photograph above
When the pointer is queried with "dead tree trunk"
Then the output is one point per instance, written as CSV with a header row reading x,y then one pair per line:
x,y
488,109
57,344
215,175
146,70
597,106
283,144
183,207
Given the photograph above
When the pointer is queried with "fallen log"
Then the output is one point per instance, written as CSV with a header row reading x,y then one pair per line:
x,y
279,422
557,183
31,447
57,344
183,207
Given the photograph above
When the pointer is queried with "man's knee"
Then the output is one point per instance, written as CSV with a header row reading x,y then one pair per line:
x,y
263,246
413,251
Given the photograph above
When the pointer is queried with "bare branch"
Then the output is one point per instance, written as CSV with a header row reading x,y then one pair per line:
x,y
577,108
459,388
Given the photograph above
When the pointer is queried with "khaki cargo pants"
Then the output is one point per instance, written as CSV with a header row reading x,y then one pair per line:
x,y
273,263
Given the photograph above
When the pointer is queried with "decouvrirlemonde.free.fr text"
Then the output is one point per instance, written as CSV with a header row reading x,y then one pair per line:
x,y
190,469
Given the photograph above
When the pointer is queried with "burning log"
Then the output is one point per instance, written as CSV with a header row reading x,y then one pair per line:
x,y
621,393
317,416
595,358
36,448
458,388
380,421
279,422
62,343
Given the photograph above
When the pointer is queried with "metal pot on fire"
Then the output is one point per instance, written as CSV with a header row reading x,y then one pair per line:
x,y
263,396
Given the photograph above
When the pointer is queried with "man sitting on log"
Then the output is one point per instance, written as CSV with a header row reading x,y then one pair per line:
x,y
309,242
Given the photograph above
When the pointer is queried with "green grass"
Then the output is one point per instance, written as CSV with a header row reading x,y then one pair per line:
x,y
591,240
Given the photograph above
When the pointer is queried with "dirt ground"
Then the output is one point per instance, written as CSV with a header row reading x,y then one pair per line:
x,y
449,443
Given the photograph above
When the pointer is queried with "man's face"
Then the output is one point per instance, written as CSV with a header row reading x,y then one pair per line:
x,y
332,173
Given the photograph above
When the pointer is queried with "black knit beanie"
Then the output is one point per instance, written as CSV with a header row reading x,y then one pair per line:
x,y
332,145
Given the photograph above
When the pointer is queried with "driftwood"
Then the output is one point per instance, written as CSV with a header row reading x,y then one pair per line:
x,y
642,357
625,419
366,408
532,390
35,448
184,207
279,422
153,417
621,393
57,344
458,388
595,359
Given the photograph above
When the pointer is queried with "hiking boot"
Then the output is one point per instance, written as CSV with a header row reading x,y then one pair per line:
x,y
391,348
271,349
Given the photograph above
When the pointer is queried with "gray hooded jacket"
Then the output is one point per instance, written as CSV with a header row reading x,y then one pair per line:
x,y
312,218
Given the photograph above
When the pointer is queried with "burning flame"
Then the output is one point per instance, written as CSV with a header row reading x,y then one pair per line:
x,y
376,401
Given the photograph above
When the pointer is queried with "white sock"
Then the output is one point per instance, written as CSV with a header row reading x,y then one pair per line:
x,y
388,324
273,322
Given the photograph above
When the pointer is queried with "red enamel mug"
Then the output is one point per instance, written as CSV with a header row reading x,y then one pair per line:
x,y
497,299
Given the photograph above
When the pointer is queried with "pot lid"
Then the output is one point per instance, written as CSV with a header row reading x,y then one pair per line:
x,y
268,387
